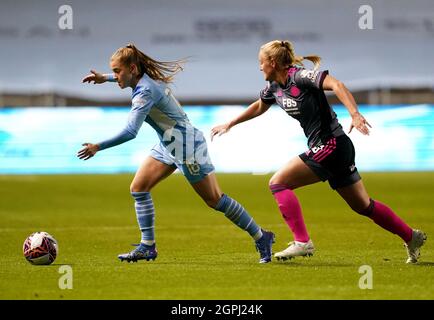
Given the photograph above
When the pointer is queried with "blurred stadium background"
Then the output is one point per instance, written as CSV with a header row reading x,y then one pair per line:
x,y
387,68
46,113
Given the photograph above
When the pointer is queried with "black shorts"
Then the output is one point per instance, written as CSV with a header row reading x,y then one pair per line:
x,y
333,161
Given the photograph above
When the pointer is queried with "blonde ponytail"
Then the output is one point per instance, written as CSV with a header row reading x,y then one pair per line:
x,y
156,70
316,60
282,52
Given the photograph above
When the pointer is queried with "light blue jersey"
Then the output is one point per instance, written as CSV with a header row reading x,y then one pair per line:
x,y
181,144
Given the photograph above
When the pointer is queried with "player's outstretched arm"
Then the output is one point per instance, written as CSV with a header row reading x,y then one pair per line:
x,y
345,96
97,77
255,109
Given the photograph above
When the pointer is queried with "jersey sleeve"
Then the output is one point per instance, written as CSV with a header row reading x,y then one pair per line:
x,y
267,96
141,105
310,78
121,137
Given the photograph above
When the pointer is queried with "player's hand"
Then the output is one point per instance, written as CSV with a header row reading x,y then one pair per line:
x,y
360,123
219,130
94,76
88,151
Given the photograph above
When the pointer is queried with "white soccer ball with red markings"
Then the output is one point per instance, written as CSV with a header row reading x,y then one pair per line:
x,y
40,248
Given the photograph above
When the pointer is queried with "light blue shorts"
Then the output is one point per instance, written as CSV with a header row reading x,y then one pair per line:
x,y
195,169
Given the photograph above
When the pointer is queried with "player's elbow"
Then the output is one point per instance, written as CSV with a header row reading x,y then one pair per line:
x,y
131,134
339,86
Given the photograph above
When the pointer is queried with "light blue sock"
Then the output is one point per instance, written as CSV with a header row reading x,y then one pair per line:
x,y
145,215
239,216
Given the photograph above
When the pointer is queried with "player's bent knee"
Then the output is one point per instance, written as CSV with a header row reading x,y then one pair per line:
x,y
279,182
364,209
278,187
276,180
139,188
212,202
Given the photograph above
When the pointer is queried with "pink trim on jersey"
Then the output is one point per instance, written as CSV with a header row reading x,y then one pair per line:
x,y
292,70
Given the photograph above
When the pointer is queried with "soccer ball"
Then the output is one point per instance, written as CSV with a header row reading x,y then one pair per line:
x,y
40,248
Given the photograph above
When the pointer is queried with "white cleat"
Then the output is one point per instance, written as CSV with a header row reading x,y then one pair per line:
x,y
413,246
296,249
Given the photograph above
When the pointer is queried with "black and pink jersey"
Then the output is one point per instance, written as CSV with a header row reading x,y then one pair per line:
x,y
303,99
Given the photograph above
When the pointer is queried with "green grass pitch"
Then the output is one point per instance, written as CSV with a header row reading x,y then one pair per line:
x,y
201,254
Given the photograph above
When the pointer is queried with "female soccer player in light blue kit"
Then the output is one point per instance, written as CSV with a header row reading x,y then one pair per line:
x,y
181,146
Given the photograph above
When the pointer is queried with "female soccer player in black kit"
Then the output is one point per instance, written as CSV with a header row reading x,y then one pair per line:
x,y
300,93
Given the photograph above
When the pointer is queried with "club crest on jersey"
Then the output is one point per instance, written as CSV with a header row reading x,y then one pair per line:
x,y
139,101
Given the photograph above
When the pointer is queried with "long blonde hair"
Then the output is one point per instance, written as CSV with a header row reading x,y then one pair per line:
x,y
156,70
282,52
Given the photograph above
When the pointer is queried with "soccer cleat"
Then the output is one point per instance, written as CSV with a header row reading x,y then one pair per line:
x,y
296,249
264,246
413,246
142,252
